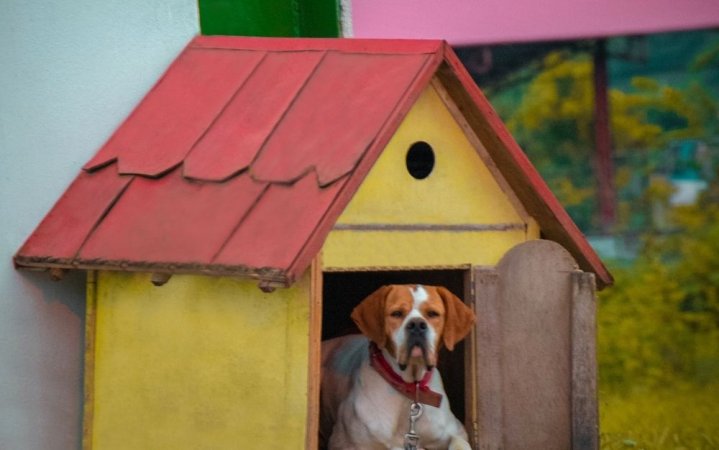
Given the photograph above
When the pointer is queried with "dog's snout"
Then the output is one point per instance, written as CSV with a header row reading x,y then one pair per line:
x,y
416,326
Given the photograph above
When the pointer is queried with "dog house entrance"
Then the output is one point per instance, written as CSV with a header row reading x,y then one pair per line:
x,y
342,291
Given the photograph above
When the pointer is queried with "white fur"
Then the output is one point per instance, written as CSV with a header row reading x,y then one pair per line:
x,y
368,414
419,296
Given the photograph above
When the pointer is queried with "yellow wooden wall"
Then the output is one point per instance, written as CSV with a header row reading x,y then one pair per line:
x,y
461,190
199,363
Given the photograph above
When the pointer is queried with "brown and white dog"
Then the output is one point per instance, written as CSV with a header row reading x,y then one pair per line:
x,y
367,388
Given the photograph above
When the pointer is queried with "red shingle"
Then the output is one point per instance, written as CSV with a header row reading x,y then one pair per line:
x,y
251,116
177,111
67,225
171,220
280,225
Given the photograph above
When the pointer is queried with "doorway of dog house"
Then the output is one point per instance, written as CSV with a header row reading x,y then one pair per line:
x,y
342,291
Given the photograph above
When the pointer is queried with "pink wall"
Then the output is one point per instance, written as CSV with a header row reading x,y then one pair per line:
x,y
464,22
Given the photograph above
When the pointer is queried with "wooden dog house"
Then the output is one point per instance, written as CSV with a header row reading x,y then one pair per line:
x,y
317,169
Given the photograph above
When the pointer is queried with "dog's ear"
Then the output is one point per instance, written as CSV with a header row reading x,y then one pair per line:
x,y
459,318
369,316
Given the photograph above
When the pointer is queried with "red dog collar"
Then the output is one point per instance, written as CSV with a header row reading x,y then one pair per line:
x,y
409,390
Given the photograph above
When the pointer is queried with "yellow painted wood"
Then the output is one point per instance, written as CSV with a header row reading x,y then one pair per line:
x,y
199,363
460,190
419,249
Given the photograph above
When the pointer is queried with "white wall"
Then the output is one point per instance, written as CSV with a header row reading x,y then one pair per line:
x,y
70,71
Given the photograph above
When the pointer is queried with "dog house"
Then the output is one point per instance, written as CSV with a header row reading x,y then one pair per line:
x,y
259,191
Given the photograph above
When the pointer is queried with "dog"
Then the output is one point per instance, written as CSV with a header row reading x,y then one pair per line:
x,y
369,381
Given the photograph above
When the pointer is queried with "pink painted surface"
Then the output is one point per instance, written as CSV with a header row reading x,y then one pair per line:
x,y
465,22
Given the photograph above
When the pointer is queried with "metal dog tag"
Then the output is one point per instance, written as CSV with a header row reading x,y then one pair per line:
x,y
411,439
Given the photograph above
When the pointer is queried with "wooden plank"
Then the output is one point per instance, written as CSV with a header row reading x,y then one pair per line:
x,y
516,167
89,361
409,46
172,220
253,113
423,227
279,225
535,312
74,216
471,395
315,354
488,351
337,116
177,111
585,413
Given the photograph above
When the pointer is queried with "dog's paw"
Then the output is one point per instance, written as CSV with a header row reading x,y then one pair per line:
x,y
457,443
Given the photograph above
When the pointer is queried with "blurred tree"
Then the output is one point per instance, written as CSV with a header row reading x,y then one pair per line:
x,y
553,123
660,323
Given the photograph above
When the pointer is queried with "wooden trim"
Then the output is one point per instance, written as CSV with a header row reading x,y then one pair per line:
x,y
275,276
471,421
585,414
488,354
474,140
394,268
315,355
89,368
461,227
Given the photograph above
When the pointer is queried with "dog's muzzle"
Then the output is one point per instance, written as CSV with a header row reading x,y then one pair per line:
x,y
416,343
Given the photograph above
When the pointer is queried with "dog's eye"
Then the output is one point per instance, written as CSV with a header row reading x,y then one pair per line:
x,y
432,314
398,314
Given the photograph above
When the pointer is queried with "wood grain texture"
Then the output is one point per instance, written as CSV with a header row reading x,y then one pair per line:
x,y
488,358
535,311
585,410
471,421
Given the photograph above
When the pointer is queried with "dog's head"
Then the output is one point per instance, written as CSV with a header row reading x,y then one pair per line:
x,y
412,322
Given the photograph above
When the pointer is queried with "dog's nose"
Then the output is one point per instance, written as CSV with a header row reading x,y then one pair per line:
x,y
416,326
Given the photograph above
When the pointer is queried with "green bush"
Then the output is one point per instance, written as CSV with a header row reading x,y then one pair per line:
x,y
658,342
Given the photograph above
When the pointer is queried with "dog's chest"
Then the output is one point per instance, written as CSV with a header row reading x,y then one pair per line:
x,y
382,413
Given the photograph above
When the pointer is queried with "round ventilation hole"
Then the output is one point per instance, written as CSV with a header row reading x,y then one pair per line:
x,y
420,160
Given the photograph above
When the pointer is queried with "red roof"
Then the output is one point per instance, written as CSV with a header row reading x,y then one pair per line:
x,y
246,151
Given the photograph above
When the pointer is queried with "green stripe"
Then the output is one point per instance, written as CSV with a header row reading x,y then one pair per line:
x,y
291,18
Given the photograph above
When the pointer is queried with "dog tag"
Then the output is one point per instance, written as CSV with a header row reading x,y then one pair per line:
x,y
411,439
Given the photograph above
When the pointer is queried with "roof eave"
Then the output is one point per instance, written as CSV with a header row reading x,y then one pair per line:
x,y
530,187
268,276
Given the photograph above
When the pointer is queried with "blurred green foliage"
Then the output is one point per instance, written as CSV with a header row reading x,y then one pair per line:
x,y
658,342
553,122
659,324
